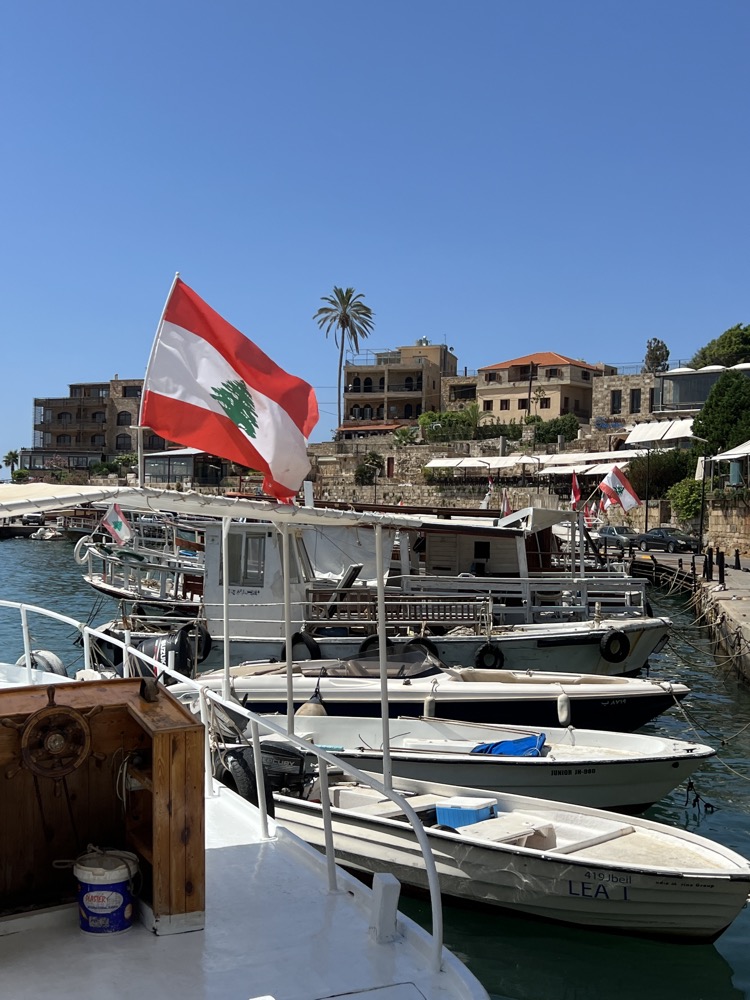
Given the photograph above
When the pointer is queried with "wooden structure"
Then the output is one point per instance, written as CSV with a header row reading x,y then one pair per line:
x,y
118,764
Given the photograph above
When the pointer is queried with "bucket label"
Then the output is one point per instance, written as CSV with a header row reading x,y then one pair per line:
x,y
103,902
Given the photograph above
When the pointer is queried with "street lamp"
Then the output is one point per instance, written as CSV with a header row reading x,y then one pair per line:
x,y
703,489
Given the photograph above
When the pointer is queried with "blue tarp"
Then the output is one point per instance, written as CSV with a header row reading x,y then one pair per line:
x,y
526,746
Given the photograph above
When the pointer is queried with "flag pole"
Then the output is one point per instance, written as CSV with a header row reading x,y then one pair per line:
x,y
140,427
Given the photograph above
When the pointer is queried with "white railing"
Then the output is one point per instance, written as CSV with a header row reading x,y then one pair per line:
x,y
257,723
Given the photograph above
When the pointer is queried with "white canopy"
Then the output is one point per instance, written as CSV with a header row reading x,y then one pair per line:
x,y
443,463
605,468
563,470
741,451
660,430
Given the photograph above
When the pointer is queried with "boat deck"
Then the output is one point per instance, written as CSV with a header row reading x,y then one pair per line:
x,y
272,931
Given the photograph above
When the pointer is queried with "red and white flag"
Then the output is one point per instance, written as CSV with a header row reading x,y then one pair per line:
x,y
117,525
575,492
208,387
604,502
507,509
618,490
588,515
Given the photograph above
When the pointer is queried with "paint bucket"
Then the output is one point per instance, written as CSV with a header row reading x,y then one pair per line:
x,y
105,899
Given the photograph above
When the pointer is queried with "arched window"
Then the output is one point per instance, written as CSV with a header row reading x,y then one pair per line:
x,y
97,440
367,413
123,442
355,413
381,412
409,383
356,384
124,419
64,439
64,418
419,409
98,416
381,383
367,387
153,441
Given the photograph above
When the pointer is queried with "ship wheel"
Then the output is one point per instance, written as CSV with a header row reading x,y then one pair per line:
x,y
54,740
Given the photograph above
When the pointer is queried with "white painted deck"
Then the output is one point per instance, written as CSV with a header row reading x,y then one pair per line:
x,y
272,931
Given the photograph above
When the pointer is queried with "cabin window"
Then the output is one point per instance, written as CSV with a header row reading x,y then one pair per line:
x,y
247,558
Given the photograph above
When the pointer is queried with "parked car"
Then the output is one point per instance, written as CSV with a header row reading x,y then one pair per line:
x,y
32,519
668,539
617,536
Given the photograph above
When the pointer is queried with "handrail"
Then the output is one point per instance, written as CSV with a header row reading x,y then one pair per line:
x,y
257,722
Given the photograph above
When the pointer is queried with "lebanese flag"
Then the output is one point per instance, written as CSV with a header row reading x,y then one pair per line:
x,y
604,502
575,492
588,515
117,525
507,509
618,490
208,387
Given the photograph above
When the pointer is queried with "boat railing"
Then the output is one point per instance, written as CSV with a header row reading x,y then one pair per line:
x,y
208,698
144,575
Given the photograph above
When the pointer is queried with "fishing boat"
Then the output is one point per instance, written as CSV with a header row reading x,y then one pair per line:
x,y
625,772
113,823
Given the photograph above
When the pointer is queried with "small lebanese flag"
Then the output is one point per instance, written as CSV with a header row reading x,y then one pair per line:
x,y
208,387
588,515
618,490
507,509
604,502
117,525
575,492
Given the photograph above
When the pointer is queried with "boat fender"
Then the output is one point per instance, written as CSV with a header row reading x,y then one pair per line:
x,y
238,772
428,708
489,657
422,645
372,644
43,659
81,550
313,706
563,709
302,639
614,646
202,637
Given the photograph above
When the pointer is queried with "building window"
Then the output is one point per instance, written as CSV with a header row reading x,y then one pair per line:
x,y
635,400
381,384
523,404
367,385
490,376
128,391
615,401
123,442
408,411
487,406
153,441
553,373
504,404
651,398
354,413
98,416
64,439
97,440
64,418
409,383
356,385
367,413
381,412
124,419
544,403
585,375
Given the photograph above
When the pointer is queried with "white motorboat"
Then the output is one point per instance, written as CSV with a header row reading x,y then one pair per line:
x,y
418,685
567,863
621,771
217,899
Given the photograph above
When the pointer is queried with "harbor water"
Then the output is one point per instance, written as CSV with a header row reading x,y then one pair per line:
x,y
517,958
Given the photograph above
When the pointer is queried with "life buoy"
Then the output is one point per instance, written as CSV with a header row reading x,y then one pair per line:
x,y
80,552
489,657
372,644
422,644
614,646
302,639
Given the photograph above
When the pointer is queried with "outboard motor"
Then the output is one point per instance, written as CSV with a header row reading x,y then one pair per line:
x,y
159,647
286,768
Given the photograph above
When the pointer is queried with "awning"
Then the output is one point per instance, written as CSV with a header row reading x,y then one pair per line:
x,y
605,468
741,451
443,463
491,462
563,470
174,453
660,430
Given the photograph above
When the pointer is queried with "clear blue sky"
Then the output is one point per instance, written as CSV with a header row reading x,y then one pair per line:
x,y
501,177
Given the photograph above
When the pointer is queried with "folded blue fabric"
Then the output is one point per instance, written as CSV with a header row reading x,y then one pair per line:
x,y
527,746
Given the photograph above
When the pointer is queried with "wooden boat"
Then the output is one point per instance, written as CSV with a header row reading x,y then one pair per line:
x,y
620,771
566,863
213,890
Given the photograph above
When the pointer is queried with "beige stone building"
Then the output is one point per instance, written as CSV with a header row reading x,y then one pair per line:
x,y
388,389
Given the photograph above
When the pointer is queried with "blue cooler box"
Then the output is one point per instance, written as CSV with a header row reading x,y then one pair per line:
x,y
463,810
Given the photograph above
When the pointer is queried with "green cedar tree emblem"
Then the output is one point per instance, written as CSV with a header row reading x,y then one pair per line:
x,y
236,401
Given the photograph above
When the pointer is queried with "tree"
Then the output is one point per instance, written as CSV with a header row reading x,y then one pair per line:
x,y
731,348
350,319
369,469
724,420
11,459
653,475
657,356
539,394
404,436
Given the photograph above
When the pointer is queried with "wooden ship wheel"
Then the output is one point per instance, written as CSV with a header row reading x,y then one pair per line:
x,y
55,740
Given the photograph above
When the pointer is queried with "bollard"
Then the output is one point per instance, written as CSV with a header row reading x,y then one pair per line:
x,y
737,559
720,567
708,565
679,563
692,573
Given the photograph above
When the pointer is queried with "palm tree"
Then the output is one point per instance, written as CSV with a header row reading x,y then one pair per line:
x,y
11,459
351,320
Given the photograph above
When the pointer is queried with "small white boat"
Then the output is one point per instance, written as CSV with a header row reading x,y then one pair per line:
x,y
621,771
561,862
417,685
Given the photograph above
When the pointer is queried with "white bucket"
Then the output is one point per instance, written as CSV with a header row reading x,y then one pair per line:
x,y
105,898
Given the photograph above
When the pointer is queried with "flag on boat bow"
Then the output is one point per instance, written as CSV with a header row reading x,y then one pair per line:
x,y
115,522
208,387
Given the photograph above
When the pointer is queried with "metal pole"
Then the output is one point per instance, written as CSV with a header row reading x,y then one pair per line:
x,y
648,475
703,500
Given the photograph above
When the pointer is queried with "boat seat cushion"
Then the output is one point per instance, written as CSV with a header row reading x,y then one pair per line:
x,y
388,809
526,746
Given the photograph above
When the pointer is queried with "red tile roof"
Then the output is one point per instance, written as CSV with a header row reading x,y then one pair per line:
x,y
541,359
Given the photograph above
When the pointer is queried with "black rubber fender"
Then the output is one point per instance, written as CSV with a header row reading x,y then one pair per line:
x,y
423,645
302,639
615,646
489,656
239,773
371,644
200,634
